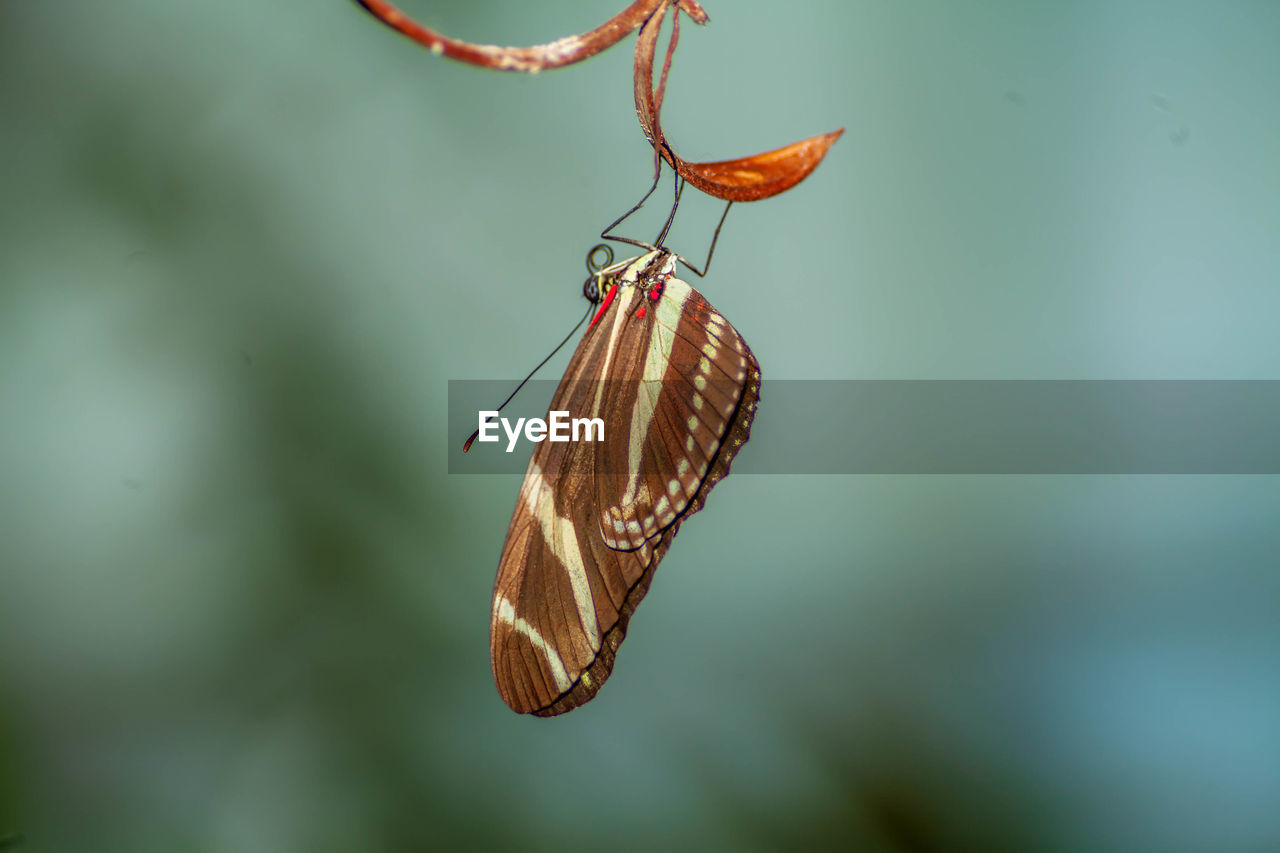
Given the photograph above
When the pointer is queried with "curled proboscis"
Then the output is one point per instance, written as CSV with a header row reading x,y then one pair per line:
x,y
593,264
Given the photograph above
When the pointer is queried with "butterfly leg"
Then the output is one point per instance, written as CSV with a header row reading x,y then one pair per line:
x,y
714,237
607,234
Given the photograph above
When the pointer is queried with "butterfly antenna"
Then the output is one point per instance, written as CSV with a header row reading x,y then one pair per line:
x,y
594,267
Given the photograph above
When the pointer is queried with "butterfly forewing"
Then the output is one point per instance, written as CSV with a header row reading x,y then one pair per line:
x,y
676,387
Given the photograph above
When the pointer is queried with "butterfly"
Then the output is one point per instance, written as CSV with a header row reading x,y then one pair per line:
x,y
677,388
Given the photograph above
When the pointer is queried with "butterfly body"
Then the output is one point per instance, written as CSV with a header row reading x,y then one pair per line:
x,y
677,388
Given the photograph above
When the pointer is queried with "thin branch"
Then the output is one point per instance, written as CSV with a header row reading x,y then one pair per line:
x,y
743,179
542,57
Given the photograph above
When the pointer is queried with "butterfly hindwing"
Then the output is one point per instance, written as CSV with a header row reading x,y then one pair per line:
x,y
680,396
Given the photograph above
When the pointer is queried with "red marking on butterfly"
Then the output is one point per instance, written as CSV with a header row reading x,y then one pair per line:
x,y
604,306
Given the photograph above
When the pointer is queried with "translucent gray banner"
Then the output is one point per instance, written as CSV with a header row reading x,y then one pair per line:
x,y
954,427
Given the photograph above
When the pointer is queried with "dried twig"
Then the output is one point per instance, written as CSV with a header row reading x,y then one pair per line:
x,y
743,179
542,57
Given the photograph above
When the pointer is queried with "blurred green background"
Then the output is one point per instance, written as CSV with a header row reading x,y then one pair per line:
x,y
243,247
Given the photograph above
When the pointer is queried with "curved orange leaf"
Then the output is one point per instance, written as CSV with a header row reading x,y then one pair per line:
x,y
763,175
744,179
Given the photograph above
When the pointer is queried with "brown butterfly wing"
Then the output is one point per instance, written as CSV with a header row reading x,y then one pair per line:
x,y
564,595
689,384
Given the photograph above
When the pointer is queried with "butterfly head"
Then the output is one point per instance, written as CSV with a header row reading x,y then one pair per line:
x,y
648,274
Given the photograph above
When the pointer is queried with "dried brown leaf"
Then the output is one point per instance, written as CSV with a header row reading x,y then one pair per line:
x,y
763,175
744,179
